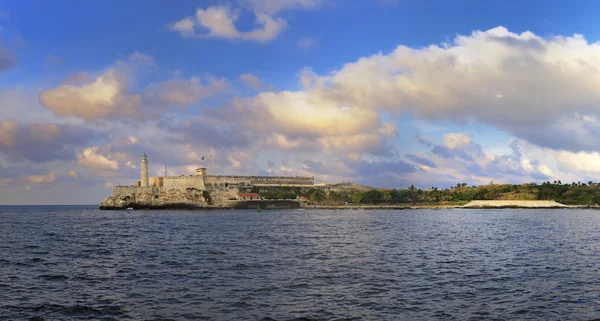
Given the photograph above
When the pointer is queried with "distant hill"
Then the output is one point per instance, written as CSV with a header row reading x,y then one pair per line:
x,y
347,186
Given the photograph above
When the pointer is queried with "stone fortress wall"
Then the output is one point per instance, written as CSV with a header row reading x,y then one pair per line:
x,y
199,190
130,190
249,181
180,182
222,187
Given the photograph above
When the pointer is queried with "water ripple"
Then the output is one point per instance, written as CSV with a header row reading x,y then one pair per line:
x,y
82,263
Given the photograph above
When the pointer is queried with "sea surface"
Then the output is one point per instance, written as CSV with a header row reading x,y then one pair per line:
x,y
79,263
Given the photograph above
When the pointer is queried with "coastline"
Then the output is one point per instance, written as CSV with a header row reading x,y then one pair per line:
x,y
290,205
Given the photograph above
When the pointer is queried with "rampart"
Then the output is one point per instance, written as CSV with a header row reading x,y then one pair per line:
x,y
183,182
130,190
259,180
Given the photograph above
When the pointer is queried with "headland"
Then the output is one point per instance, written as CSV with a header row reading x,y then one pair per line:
x,y
206,191
202,191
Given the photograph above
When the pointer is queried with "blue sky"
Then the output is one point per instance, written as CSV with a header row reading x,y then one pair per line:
x,y
387,93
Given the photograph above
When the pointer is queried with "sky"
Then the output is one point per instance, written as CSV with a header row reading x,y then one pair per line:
x,y
386,93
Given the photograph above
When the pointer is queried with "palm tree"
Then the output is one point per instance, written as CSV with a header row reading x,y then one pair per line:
x,y
387,196
436,194
412,189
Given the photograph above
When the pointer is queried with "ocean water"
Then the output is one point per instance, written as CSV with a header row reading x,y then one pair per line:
x,y
79,263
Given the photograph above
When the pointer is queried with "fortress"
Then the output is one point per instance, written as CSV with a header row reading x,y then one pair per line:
x,y
196,190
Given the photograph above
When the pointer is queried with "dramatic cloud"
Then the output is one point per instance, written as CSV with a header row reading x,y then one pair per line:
x,y
514,82
303,114
104,98
41,142
460,159
110,95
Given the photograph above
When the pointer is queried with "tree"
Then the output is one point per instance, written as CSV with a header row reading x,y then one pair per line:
x,y
373,196
412,190
436,194
317,196
356,197
387,196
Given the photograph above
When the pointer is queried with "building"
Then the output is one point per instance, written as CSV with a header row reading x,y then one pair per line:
x,y
248,196
219,188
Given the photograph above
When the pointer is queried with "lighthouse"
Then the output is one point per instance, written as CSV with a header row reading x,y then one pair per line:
x,y
144,171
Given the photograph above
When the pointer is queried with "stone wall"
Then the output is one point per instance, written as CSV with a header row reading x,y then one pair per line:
x,y
183,182
156,181
259,180
117,190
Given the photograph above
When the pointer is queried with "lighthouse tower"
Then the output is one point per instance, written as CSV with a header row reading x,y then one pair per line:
x,y
144,171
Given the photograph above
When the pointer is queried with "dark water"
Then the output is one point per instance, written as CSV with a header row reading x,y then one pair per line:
x,y
77,263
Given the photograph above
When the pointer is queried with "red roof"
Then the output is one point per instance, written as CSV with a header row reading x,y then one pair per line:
x,y
248,195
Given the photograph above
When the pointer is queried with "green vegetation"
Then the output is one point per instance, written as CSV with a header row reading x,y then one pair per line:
x,y
207,197
570,194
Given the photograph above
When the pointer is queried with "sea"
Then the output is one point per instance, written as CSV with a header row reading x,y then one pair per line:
x,y
80,263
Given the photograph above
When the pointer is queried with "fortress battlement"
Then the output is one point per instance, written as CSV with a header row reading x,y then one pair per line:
x,y
198,189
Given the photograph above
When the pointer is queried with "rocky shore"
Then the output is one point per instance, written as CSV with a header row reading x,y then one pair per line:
x,y
193,199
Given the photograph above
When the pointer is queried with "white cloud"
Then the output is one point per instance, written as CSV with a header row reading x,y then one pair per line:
x,y
48,178
142,58
219,22
252,81
8,131
180,91
514,82
301,113
185,27
580,162
104,98
90,157
455,140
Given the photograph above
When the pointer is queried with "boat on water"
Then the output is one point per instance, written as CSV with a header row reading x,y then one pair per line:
x,y
258,209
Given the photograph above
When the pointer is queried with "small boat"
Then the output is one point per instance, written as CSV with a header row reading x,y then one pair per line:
x,y
258,209
130,208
